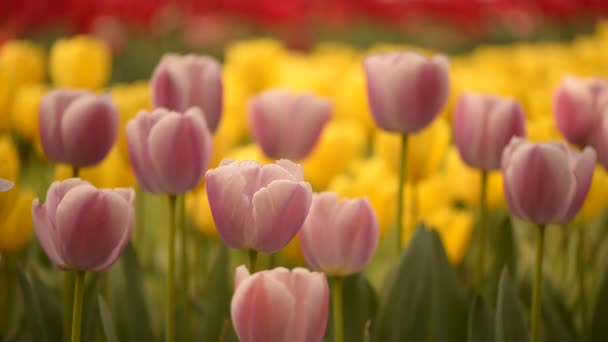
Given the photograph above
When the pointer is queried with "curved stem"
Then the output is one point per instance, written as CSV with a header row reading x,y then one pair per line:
x,y
481,256
170,314
581,276
538,284
336,305
253,257
77,311
400,201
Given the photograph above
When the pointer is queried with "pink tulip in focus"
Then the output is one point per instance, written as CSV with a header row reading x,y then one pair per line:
x,y
339,237
406,90
258,207
84,228
546,182
280,305
181,82
578,105
287,125
77,127
483,126
169,151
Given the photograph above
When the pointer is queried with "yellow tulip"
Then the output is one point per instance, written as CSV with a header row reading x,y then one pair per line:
x,y
26,107
80,62
372,179
9,159
350,98
597,198
425,150
340,143
129,100
543,130
255,62
22,61
293,252
112,172
197,207
15,219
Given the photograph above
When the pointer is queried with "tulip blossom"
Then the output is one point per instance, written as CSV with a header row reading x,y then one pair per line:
x,y
84,228
406,91
483,126
548,182
77,127
181,82
578,107
339,237
280,305
169,151
258,207
287,125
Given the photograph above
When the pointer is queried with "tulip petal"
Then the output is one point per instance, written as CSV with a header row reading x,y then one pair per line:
x,y
312,305
206,87
170,86
583,165
55,194
240,275
46,234
137,131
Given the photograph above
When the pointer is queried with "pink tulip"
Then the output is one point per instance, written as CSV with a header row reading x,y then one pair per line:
x,y
77,127
84,228
339,237
548,182
181,82
5,185
258,207
169,151
578,107
287,125
280,305
406,90
483,127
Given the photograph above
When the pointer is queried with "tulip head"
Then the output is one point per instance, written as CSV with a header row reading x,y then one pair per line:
x,y
287,125
81,227
339,237
181,82
406,90
80,62
483,126
77,127
578,105
546,182
258,207
169,151
280,305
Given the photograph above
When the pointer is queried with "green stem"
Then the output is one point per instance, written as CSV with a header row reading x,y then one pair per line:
x,y
170,314
413,208
75,171
482,229
68,301
538,284
7,294
253,257
77,311
336,305
581,276
184,258
400,202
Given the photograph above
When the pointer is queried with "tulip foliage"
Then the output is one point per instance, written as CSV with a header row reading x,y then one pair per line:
x,y
270,198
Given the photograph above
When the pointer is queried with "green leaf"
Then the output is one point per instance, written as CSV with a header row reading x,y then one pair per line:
x,y
50,308
90,313
481,322
138,320
504,253
510,323
599,320
33,313
107,322
359,306
425,299
557,319
218,292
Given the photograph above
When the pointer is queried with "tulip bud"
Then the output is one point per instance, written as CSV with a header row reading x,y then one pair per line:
x,y
578,106
287,125
169,151
84,228
280,305
77,127
546,182
181,82
483,127
80,62
258,207
405,90
339,237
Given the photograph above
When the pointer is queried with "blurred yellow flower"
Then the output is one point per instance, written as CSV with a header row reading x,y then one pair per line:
x,y
22,62
543,129
26,107
425,150
9,159
197,207
129,100
373,179
597,198
293,252
15,219
255,62
350,98
340,143
80,62
112,172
